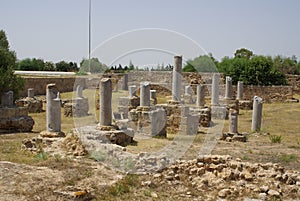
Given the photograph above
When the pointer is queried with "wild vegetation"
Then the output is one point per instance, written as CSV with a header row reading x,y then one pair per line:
x,y
8,61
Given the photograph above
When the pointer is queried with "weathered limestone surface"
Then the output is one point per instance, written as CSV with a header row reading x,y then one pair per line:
x,y
132,91
228,89
128,103
200,95
240,90
257,113
53,109
79,90
114,136
177,79
105,102
78,107
215,89
189,122
30,93
149,120
153,98
233,121
218,112
125,82
34,105
15,119
145,94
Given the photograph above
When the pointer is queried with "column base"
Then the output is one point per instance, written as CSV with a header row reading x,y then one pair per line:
x,y
48,134
105,128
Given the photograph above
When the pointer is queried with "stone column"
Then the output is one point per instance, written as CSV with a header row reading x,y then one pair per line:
x,y
240,90
256,113
7,99
132,91
125,82
145,94
215,89
177,79
228,89
233,121
53,109
188,90
200,95
153,99
30,93
152,94
79,91
105,102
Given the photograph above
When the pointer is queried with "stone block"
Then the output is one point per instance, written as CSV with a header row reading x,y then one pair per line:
x,y
79,107
189,125
218,112
158,121
21,111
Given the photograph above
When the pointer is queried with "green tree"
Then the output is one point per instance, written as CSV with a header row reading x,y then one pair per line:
x,y
8,80
66,67
203,63
49,66
131,66
95,66
7,58
258,70
286,65
243,53
3,40
31,64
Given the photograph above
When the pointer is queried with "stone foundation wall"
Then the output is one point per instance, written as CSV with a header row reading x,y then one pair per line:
x,y
15,119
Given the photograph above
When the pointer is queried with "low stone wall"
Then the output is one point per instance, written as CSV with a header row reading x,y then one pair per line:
x,y
161,81
166,77
294,80
268,93
39,84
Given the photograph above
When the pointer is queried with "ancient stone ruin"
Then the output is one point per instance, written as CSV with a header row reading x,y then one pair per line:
x,y
78,106
33,104
13,118
147,119
106,131
53,113
257,113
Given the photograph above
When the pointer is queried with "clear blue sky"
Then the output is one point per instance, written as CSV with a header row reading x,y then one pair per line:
x,y
58,29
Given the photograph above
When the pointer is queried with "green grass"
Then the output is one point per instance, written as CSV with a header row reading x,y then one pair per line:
x,y
123,186
41,156
10,148
287,158
275,138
